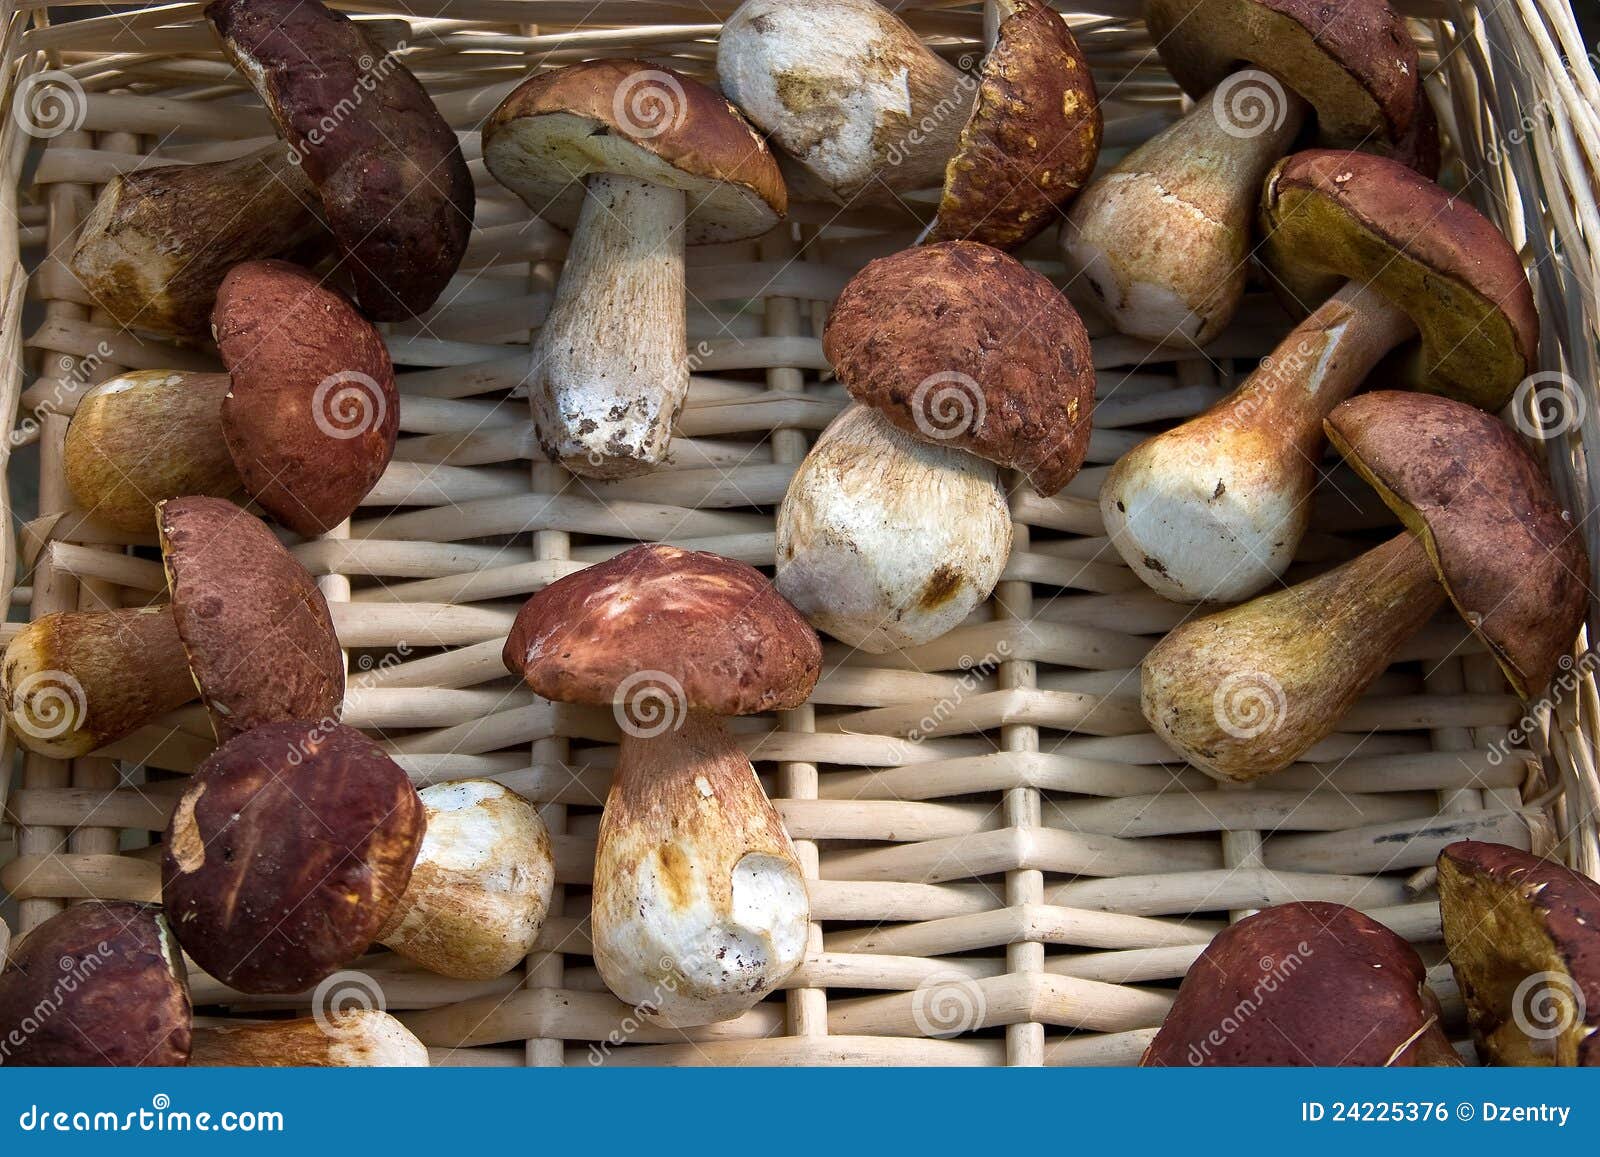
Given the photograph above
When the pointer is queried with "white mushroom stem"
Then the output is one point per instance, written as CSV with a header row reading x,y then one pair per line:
x,y
610,367
1163,239
359,1038
1247,691
700,907
1212,510
481,885
885,540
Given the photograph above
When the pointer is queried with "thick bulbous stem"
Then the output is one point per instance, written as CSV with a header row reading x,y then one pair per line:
x,y
610,367
1163,239
1247,691
1213,510
700,905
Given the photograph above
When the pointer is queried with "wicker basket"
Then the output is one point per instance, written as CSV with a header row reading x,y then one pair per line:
x,y
1021,885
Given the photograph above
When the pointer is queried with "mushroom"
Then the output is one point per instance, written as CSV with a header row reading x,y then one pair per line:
x,y
1163,239
1247,691
304,420
357,1038
1303,985
246,627
1214,509
637,161
849,90
99,984
287,854
158,242
481,885
896,525
700,906
1523,935
394,187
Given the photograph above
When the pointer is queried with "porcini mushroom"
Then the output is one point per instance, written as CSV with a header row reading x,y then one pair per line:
x,y
394,187
1300,985
356,1038
481,885
700,906
1214,509
287,854
158,242
1247,691
896,526
246,628
637,161
99,984
1523,936
304,420
1163,239
847,89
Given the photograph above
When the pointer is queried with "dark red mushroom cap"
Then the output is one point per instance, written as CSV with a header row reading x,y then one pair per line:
x,y
1304,984
712,630
100,984
1033,136
961,344
1353,61
1510,556
1329,215
312,412
255,627
288,853
1523,934
394,186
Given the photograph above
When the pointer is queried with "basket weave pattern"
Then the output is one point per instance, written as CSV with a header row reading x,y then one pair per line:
x,y
1006,867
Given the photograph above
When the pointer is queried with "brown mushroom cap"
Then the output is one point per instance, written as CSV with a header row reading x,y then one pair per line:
x,y
254,625
713,632
960,344
1353,61
1304,984
1329,214
1510,557
313,412
634,119
1523,935
287,853
100,984
394,186
1032,139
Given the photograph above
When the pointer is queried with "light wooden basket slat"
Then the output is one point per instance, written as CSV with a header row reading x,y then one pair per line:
x,y
1024,882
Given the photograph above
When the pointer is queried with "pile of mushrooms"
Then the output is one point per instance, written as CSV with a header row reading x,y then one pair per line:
x,y
1164,238
962,360
700,905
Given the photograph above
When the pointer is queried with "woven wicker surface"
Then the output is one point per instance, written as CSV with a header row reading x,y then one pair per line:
x,y
1006,866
